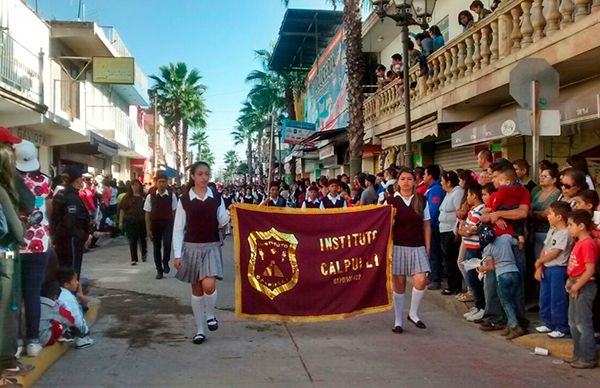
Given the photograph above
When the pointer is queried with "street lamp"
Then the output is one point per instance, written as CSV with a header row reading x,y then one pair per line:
x,y
408,13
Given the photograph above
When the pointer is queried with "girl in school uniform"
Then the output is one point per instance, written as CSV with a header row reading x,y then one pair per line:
x,y
200,216
412,237
312,202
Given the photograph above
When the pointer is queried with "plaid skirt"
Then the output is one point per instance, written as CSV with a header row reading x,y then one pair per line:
x,y
409,260
200,260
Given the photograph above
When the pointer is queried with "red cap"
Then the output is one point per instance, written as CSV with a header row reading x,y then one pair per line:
x,y
7,136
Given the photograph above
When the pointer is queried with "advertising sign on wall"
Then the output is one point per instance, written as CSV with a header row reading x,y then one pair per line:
x,y
294,132
108,70
326,102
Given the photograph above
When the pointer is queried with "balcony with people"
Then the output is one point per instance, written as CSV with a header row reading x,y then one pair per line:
x,y
469,74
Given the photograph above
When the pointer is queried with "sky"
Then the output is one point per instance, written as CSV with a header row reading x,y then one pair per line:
x,y
218,37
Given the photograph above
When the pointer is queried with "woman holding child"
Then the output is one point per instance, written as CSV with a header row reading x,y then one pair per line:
x,y
412,237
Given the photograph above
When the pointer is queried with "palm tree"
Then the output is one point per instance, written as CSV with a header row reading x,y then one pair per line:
x,y
231,164
255,116
199,139
207,156
245,135
181,101
355,68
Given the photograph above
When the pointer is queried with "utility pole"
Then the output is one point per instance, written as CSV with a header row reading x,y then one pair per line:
x,y
271,148
155,145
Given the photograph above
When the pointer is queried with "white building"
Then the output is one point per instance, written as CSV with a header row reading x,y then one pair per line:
x,y
47,94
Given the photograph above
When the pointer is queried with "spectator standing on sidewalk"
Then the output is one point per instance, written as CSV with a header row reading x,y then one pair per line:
x,y
198,259
132,220
70,221
11,236
582,290
448,234
435,195
160,206
35,254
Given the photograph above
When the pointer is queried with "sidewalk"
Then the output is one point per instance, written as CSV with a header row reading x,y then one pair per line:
x,y
51,354
558,348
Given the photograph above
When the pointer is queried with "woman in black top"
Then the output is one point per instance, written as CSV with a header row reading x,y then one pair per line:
x,y
132,220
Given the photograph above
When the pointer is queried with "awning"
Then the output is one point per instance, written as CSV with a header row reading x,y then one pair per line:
x,y
324,135
169,172
498,125
304,33
418,132
579,103
103,145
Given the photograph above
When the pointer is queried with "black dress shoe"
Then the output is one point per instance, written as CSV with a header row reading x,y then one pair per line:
x,y
418,324
159,275
166,268
397,329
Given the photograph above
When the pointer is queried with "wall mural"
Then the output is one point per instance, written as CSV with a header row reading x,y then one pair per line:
x,y
326,102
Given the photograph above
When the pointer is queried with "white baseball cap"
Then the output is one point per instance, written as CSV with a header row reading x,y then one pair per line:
x,y
26,156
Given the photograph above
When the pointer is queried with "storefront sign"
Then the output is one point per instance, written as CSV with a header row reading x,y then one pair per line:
x,y
294,132
108,70
310,264
326,152
35,137
582,108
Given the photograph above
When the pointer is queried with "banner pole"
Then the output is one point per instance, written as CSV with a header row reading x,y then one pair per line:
x,y
271,149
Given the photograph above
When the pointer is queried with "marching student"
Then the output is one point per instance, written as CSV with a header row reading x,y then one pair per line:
x,y
312,202
333,198
274,199
160,206
247,197
199,217
412,237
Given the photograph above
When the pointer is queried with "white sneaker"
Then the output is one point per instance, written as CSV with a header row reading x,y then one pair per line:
x,y
84,342
473,310
478,315
556,334
543,329
34,349
19,352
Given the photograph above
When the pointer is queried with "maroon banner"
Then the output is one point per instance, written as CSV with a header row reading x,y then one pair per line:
x,y
311,264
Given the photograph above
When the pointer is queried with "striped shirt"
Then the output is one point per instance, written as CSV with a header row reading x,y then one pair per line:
x,y
473,219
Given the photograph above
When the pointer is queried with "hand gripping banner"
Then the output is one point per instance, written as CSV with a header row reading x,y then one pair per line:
x,y
311,264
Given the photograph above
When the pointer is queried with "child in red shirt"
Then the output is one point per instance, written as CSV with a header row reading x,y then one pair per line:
x,y
582,289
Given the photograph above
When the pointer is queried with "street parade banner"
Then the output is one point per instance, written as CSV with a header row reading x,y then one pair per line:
x,y
312,264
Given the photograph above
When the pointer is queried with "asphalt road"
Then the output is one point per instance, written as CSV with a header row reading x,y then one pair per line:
x,y
143,338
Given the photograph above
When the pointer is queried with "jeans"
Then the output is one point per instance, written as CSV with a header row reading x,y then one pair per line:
x,y
162,234
435,256
449,248
9,310
136,234
33,273
554,300
493,309
473,281
580,322
509,286
520,261
70,253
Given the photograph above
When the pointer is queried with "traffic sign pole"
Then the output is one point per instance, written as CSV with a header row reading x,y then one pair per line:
x,y
535,129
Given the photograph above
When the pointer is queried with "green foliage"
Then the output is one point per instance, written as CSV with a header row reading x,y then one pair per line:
x,y
231,165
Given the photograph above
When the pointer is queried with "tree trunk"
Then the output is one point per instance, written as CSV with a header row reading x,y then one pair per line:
x,y
259,145
249,157
355,65
184,143
289,103
177,122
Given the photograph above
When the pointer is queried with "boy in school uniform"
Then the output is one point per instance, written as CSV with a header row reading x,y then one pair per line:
x,y
273,199
312,201
333,198
582,289
551,272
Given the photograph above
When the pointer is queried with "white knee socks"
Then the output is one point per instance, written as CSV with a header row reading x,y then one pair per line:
x,y
209,302
415,302
398,307
198,309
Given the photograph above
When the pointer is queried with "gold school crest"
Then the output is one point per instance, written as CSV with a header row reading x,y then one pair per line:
x,y
273,268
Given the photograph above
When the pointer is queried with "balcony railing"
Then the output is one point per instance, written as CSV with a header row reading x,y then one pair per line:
x,y
121,127
511,28
19,69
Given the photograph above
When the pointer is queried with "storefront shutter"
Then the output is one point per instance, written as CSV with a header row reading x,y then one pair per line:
x,y
449,158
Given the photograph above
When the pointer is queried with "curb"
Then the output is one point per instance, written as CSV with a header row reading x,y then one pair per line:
x,y
52,353
558,348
